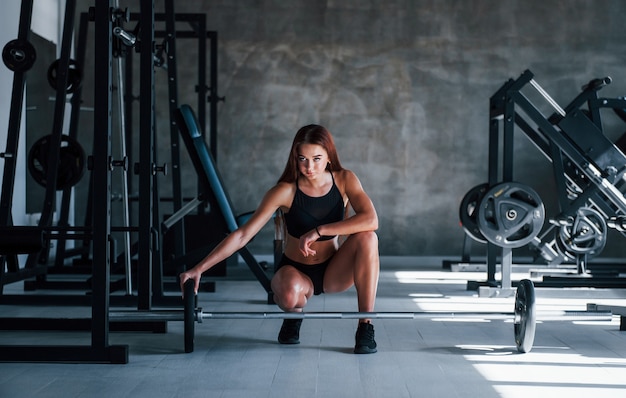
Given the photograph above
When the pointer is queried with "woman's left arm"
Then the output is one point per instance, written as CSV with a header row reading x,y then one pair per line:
x,y
364,218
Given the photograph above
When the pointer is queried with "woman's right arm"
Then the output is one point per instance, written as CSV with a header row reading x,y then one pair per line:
x,y
276,197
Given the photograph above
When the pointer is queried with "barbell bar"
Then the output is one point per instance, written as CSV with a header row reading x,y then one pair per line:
x,y
199,315
524,316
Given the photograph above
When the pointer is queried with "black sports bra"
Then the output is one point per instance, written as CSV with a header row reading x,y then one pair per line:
x,y
308,212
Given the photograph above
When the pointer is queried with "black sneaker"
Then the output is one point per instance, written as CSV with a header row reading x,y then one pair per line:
x,y
290,331
364,339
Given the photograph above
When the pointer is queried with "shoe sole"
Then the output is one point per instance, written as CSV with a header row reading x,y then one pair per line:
x,y
289,342
365,350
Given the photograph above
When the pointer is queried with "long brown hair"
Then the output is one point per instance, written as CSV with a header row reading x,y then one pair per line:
x,y
316,135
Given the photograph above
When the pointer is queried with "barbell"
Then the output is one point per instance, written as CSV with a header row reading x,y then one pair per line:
x,y
524,315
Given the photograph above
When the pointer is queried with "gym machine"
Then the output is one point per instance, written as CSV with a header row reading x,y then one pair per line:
x,y
588,169
99,350
97,231
125,44
206,169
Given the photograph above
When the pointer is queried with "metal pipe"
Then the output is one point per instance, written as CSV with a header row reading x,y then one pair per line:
x,y
146,316
547,97
129,41
177,315
547,315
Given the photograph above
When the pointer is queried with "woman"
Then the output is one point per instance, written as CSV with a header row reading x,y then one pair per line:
x,y
312,193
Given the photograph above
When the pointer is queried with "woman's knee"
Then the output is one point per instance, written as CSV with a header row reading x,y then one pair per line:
x,y
287,299
290,292
366,241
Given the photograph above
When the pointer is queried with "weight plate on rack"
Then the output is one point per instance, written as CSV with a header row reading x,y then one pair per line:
x,y
586,234
469,210
525,316
19,55
510,215
74,76
71,162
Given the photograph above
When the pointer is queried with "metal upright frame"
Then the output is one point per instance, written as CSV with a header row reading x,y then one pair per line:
x,y
10,154
146,240
99,350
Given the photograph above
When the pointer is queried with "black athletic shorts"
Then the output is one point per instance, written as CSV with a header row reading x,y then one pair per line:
x,y
315,272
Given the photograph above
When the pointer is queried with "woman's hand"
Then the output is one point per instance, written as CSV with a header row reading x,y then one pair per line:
x,y
190,275
306,241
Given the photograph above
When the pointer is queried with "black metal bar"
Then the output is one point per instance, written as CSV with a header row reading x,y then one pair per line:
x,y
71,353
75,102
507,140
202,84
13,135
493,173
178,229
214,97
57,130
102,176
79,324
146,153
85,300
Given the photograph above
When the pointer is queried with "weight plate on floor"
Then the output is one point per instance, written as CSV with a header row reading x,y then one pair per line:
x,y
71,162
510,215
469,211
189,315
586,234
525,316
19,55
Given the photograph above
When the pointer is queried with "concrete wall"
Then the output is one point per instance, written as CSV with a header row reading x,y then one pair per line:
x,y
403,85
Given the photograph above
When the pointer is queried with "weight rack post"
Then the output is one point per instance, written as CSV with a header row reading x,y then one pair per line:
x,y
10,152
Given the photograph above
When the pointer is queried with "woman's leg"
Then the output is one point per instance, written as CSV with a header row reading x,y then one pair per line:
x,y
356,263
292,289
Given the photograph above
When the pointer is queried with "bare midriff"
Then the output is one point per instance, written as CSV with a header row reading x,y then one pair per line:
x,y
324,250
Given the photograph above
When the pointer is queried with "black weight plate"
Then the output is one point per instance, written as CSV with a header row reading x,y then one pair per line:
x,y
19,55
189,315
71,166
562,250
587,233
74,76
510,215
525,316
469,210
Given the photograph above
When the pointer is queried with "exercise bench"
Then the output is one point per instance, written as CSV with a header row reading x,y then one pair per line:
x,y
206,169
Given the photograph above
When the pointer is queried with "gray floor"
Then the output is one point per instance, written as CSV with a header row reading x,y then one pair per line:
x,y
416,358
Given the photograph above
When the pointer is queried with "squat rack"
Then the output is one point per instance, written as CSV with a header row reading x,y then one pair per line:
x,y
99,350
